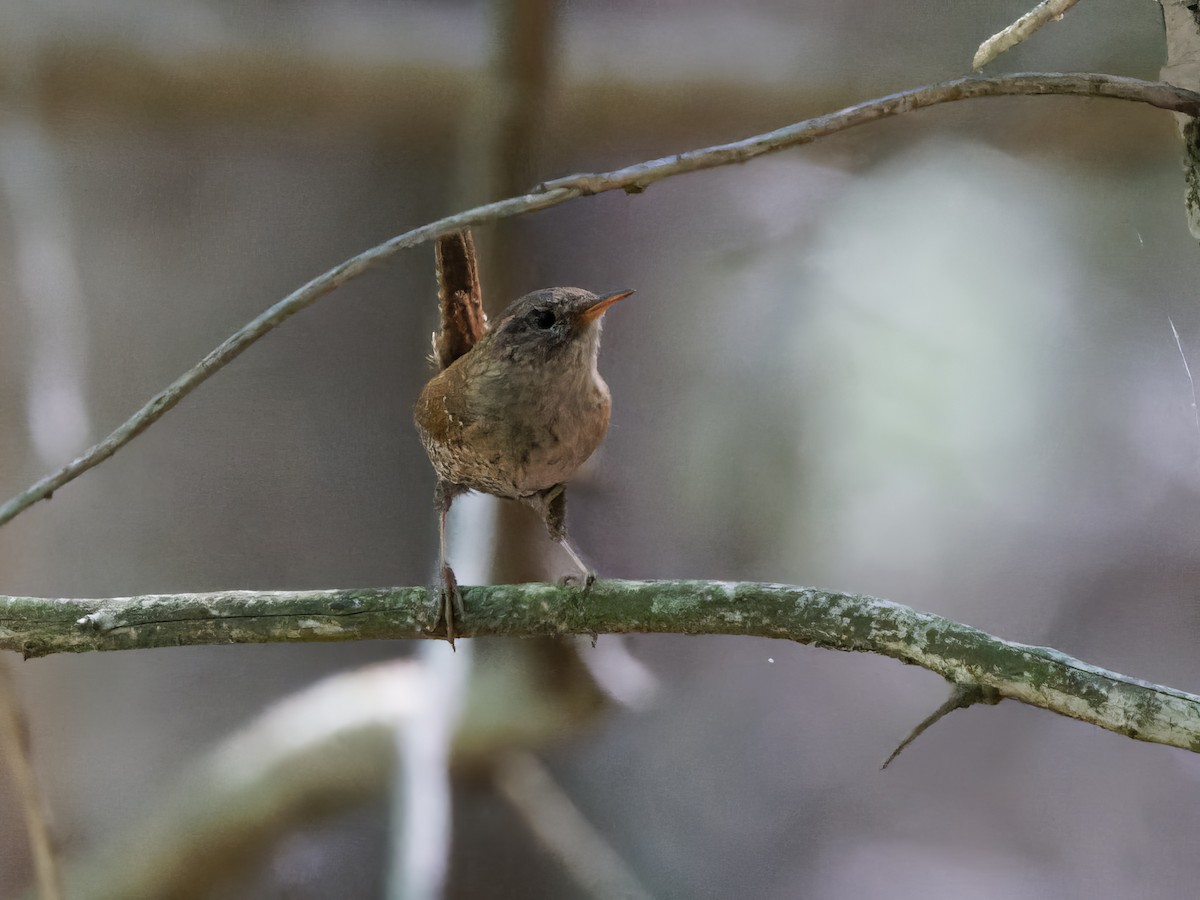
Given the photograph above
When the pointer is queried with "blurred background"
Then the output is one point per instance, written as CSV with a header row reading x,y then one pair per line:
x,y
930,360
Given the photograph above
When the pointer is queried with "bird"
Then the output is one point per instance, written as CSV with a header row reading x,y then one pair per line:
x,y
518,413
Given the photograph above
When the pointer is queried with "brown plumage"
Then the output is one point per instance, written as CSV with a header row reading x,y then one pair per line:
x,y
517,413
460,298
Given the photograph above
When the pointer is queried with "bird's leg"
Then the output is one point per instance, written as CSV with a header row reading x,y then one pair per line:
x,y
554,514
553,507
450,607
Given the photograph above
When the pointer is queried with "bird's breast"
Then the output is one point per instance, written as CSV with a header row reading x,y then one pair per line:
x,y
511,436
569,430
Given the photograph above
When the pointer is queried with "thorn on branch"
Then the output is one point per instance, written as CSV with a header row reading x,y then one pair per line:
x,y
587,185
962,696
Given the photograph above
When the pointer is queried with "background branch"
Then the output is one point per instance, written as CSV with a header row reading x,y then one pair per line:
x,y
1020,30
632,179
563,829
321,751
1183,69
1039,676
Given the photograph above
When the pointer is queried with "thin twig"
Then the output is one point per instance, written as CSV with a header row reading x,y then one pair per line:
x,y
501,150
14,747
960,697
632,179
1188,371
1018,31
557,822
1039,676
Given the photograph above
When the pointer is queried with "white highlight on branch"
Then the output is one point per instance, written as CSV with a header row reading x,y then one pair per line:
x,y
1046,11
1188,370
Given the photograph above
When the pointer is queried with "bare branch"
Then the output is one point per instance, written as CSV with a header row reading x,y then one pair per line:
x,y
1039,676
1046,11
632,179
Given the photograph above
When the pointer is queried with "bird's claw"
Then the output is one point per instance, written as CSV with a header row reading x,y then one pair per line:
x,y
450,604
584,582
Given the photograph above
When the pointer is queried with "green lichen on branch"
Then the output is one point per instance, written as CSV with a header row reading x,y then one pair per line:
x,y
964,656
1190,132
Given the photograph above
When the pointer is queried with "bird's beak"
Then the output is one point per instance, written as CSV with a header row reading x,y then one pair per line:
x,y
600,304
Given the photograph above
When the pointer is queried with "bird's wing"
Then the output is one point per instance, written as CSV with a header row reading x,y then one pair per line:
x,y
450,412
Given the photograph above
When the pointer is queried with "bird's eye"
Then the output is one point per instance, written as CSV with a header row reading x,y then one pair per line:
x,y
543,318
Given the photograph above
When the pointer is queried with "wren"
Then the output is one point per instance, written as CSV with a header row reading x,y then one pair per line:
x,y
517,414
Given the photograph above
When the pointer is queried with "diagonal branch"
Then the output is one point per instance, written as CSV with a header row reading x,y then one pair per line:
x,y
562,828
1039,676
1018,31
632,179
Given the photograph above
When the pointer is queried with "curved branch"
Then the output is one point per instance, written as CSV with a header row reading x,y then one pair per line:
x,y
323,750
632,179
1039,676
319,751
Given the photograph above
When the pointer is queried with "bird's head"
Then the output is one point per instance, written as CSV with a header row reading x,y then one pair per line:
x,y
553,322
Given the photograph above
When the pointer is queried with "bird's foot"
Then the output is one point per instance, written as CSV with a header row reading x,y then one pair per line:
x,y
583,580
450,605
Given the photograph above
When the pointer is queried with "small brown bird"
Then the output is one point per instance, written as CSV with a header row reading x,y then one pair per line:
x,y
517,414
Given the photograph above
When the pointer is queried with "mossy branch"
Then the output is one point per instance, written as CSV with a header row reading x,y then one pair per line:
x,y
964,656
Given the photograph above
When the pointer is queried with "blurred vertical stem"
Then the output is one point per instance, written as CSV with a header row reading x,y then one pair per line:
x,y
502,151
526,35
498,135
500,147
497,157
14,746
